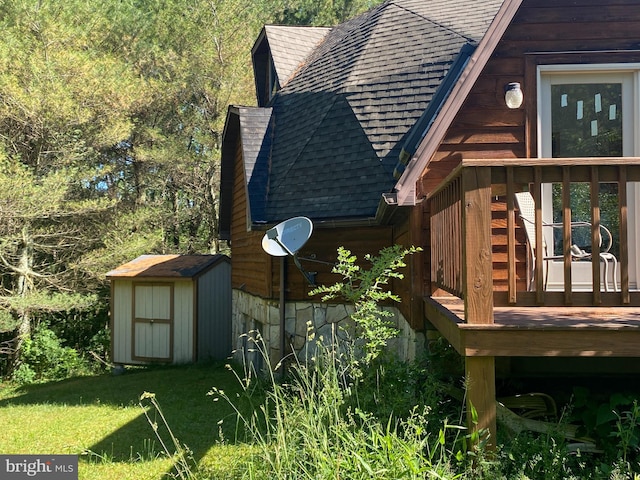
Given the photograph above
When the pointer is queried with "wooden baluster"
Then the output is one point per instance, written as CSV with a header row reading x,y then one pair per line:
x,y
539,249
566,233
511,238
595,235
624,238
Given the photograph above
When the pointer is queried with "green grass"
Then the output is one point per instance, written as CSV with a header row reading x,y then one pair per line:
x,y
100,419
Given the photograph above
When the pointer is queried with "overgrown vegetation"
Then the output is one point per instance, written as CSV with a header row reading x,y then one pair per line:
x,y
349,409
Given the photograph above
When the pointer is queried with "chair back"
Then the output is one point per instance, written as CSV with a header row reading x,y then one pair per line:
x,y
527,208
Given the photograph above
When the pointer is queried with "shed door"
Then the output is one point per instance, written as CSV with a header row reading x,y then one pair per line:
x,y
153,322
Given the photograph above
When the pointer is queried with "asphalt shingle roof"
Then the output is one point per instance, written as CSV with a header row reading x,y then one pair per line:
x,y
339,123
289,46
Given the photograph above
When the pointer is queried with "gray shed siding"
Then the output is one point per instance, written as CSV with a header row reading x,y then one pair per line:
x,y
214,313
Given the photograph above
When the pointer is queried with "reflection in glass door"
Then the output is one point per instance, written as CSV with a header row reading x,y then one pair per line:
x,y
585,114
586,121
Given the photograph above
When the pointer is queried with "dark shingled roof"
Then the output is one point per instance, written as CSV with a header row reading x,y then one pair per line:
x,y
339,124
289,46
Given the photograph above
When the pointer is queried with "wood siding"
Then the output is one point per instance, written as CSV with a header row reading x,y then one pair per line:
x,y
183,326
255,272
486,128
121,314
250,266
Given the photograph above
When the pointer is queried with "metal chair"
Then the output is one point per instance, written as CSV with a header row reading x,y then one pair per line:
x,y
526,206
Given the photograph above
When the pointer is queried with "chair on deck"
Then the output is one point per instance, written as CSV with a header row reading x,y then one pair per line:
x,y
526,206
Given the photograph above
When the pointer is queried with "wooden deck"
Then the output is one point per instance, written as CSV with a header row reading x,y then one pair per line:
x,y
539,331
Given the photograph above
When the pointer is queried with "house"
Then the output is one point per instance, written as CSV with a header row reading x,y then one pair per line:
x,y
417,123
171,309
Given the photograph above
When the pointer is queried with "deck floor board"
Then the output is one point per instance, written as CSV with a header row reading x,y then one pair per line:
x,y
551,317
540,331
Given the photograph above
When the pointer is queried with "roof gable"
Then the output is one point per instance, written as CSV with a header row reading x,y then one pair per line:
x,y
290,46
247,132
343,117
278,52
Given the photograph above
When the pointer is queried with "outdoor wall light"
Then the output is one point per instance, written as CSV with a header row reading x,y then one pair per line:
x,y
513,95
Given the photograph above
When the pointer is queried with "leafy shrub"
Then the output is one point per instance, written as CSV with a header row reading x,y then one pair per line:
x,y
44,358
79,328
350,410
613,422
366,290
536,456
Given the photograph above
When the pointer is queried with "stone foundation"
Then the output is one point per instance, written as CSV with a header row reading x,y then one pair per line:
x,y
251,314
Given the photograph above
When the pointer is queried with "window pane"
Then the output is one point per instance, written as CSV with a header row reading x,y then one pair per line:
x,y
586,120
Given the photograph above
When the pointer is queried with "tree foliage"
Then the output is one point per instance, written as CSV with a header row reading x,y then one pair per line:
x,y
111,116
323,12
111,119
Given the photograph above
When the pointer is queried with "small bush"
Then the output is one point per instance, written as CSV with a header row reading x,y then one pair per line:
x,y
44,358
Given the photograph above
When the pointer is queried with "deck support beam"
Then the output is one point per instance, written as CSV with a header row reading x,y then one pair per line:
x,y
477,280
481,395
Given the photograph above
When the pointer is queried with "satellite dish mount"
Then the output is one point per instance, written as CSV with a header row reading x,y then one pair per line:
x,y
286,238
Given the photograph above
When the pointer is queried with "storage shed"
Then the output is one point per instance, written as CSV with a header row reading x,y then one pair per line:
x,y
171,309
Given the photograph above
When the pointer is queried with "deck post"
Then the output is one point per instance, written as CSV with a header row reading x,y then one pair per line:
x,y
481,396
477,284
477,267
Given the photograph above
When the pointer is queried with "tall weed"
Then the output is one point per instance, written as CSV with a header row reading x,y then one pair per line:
x,y
308,428
181,456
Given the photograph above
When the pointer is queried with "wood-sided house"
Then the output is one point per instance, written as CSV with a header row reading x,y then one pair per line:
x,y
394,128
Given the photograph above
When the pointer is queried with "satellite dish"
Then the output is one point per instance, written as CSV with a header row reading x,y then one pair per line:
x,y
287,237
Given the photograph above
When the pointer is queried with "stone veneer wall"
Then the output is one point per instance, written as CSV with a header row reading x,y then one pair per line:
x,y
251,313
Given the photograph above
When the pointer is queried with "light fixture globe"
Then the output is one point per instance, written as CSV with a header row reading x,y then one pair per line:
x,y
513,96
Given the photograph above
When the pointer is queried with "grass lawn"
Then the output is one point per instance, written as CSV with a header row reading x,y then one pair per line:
x,y
99,418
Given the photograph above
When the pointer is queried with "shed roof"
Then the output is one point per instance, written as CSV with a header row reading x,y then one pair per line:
x,y
339,123
167,266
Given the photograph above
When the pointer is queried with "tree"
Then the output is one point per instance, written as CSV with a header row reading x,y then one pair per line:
x,y
44,231
324,12
111,119
110,122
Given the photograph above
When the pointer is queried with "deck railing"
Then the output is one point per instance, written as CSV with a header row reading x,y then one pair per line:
x,y
461,231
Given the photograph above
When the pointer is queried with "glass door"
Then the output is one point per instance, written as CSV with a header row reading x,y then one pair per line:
x,y
586,114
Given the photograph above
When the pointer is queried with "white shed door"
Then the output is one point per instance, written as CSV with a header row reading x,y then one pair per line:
x,y
153,322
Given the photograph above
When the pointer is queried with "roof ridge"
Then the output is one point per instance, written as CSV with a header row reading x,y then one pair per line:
x,y
444,27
